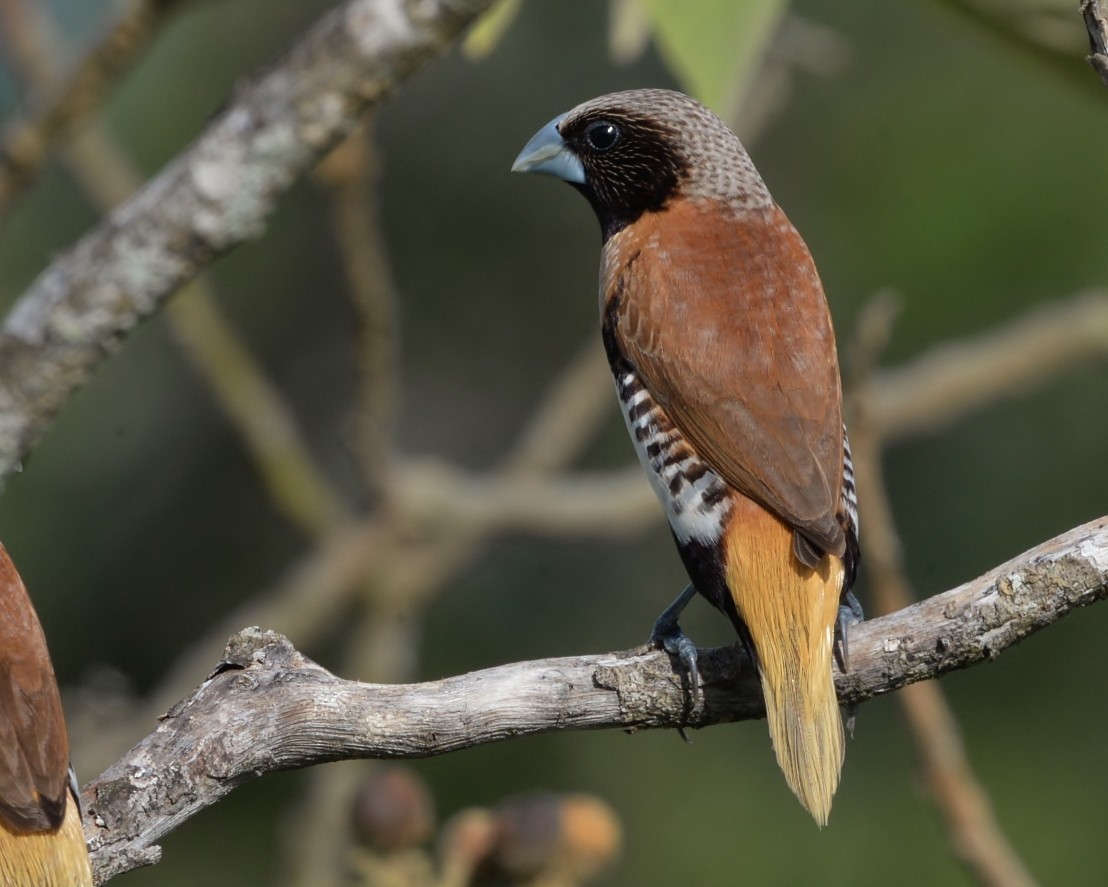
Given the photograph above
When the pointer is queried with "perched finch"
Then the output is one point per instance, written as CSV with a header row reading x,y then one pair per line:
x,y
41,841
720,341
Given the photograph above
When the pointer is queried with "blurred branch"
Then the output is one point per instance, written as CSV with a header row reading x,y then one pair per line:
x,y
253,406
1096,23
214,196
24,32
567,417
297,486
383,642
27,142
406,560
437,520
351,175
973,830
268,708
613,502
954,378
1043,32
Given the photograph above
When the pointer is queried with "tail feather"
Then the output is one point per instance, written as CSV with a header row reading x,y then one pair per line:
x,y
56,858
790,611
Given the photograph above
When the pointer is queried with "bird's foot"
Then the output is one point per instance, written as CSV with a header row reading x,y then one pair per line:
x,y
667,632
850,614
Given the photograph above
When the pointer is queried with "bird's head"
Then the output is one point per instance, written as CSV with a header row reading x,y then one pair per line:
x,y
632,152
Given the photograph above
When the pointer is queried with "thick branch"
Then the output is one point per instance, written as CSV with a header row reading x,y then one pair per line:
x,y
214,196
269,708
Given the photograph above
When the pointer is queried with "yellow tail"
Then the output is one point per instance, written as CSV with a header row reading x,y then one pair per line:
x,y
790,611
57,858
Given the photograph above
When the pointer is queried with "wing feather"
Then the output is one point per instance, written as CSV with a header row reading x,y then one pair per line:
x,y
726,323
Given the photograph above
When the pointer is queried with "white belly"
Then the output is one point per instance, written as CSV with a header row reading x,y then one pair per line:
x,y
696,500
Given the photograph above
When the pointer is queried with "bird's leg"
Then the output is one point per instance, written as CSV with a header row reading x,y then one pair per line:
x,y
850,614
674,641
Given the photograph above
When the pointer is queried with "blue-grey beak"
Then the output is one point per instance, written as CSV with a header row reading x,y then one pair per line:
x,y
548,153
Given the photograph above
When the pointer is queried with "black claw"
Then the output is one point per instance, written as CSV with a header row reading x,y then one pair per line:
x,y
667,632
852,603
677,643
844,644
850,614
851,712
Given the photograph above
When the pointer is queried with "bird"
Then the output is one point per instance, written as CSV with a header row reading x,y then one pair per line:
x,y
42,843
719,339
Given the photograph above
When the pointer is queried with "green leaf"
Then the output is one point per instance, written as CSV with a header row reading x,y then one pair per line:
x,y
714,46
483,36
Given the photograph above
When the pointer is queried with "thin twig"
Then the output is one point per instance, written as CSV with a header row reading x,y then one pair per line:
x,y
351,174
264,421
568,415
434,493
25,29
973,830
267,708
27,142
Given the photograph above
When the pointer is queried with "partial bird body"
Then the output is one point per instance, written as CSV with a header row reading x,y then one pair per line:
x,y
721,346
52,858
41,840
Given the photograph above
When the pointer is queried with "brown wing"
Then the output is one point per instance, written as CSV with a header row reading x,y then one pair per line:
x,y
34,751
726,323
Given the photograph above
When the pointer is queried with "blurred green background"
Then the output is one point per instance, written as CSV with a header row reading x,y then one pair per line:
x,y
936,157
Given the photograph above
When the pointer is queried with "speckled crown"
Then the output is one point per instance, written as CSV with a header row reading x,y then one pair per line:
x,y
718,165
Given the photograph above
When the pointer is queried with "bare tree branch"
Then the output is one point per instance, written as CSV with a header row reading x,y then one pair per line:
x,y
102,169
214,196
267,708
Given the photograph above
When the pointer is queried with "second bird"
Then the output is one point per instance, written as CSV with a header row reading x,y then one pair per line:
x,y
720,341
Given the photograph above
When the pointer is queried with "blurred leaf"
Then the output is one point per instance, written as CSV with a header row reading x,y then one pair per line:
x,y
628,31
713,45
483,36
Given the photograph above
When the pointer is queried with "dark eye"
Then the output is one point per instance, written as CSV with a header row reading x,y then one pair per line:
x,y
602,135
